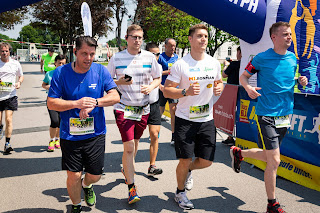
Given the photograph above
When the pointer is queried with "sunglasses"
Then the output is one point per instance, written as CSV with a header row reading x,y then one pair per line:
x,y
156,54
136,37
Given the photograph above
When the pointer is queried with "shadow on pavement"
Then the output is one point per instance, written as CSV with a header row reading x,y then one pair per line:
x,y
39,210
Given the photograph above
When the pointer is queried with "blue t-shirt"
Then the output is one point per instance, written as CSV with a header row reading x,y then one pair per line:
x,y
166,63
69,85
276,79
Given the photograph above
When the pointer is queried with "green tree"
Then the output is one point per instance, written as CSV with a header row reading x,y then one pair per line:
x,y
10,18
14,45
113,42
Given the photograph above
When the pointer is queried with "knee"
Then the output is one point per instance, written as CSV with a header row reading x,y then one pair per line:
x,y
273,163
129,147
205,163
93,178
74,177
185,162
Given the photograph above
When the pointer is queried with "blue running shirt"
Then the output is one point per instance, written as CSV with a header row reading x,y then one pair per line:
x,y
166,63
69,85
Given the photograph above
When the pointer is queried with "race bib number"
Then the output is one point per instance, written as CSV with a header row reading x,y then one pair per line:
x,y
282,121
6,86
81,127
199,111
51,65
133,113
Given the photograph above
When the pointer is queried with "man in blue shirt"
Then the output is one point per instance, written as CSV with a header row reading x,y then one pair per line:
x,y
276,70
167,59
77,91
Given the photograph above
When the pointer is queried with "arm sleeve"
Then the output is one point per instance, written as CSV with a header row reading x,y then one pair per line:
x,y
111,68
156,69
253,66
55,90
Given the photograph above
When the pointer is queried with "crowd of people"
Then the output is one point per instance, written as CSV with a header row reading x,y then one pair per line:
x,y
138,83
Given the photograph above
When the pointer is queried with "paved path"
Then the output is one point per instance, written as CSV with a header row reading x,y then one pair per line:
x,y
31,179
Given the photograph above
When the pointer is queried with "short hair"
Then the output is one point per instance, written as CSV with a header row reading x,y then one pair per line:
x,y
167,40
274,28
239,49
88,40
51,49
193,28
133,27
5,44
151,45
59,57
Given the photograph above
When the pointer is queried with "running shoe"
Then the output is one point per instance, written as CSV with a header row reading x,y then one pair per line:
x,y
57,143
183,201
236,159
133,196
7,148
1,132
228,142
274,208
76,208
125,179
51,146
172,142
189,182
89,196
153,170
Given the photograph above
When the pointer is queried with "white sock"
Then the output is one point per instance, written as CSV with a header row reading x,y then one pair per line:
x,y
57,139
85,186
79,204
52,139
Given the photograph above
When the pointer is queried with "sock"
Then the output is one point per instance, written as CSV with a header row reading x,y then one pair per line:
x,y
189,170
7,140
79,204
271,201
173,135
1,126
85,186
51,139
153,165
130,186
57,138
178,191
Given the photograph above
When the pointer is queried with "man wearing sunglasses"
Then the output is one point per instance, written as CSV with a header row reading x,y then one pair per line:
x,y
137,73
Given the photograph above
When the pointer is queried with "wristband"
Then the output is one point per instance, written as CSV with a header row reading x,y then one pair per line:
x,y
97,104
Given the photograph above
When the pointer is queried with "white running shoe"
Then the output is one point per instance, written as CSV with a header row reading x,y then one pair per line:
x,y
189,182
183,201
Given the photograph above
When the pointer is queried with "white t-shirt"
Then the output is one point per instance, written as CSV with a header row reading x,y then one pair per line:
x,y
143,68
154,94
198,108
8,73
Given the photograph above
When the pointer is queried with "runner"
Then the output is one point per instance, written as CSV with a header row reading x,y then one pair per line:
x,y
77,92
276,70
154,120
10,69
137,73
198,76
54,115
167,59
47,61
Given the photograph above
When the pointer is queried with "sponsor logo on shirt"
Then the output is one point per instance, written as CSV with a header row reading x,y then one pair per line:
x,y
194,69
206,77
93,86
207,69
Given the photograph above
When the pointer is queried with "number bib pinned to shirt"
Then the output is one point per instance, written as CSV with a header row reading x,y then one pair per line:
x,y
282,121
6,86
133,113
199,111
81,127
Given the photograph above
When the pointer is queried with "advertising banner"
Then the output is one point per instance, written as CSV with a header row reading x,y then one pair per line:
x,y
224,109
300,148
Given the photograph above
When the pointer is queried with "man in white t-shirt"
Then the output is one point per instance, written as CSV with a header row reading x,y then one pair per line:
x,y
9,70
137,73
198,76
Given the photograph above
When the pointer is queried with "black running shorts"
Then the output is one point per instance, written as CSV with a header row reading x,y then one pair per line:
x,y
163,100
9,104
195,138
154,116
86,154
270,136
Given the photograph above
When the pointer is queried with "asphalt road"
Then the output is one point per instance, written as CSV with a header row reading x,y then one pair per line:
x,y
31,179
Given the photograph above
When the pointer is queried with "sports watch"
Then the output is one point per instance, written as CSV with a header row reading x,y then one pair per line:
x,y
184,92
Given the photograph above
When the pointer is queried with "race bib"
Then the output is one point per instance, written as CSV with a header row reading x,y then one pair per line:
x,y
81,127
282,121
133,113
6,86
51,65
199,111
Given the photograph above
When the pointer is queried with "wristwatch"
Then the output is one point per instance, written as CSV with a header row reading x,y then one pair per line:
x,y
184,92
97,104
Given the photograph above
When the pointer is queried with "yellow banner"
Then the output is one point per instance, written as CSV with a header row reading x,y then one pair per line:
x,y
296,171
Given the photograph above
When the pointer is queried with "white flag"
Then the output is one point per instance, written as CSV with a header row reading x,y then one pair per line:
x,y
86,19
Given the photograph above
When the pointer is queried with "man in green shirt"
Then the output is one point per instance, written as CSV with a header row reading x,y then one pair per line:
x,y
47,61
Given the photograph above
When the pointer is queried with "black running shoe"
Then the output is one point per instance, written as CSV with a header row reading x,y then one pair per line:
x,y
153,170
274,208
76,208
7,148
236,159
228,142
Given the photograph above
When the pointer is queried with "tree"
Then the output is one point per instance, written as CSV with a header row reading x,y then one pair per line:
x,y
113,43
120,10
14,45
10,18
63,17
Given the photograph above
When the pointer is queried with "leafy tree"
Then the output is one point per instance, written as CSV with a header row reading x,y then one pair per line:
x,y
63,17
10,18
113,42
14,45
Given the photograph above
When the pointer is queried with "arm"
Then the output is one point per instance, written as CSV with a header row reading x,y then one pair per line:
x,y
303,80
45,86
122,81
41,65
61,105
20,80
218,87
224,74
146,89
165,72
252,91
170,90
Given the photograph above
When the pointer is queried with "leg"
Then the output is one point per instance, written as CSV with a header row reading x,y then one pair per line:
x,y
200,163
154,142
136,145
91,179
182,172
53,132
270,174
8,114
162,108
255,153
57,132
74,186
128,160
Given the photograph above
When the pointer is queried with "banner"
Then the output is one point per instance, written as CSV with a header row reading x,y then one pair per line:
x,y
300,148
86,19
224,109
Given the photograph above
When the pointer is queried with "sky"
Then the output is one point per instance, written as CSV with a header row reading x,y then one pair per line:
x,y
14,33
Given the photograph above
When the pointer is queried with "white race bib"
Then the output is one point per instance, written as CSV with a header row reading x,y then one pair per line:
x,y
196,112
282,121
133,113
81,127
6,86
